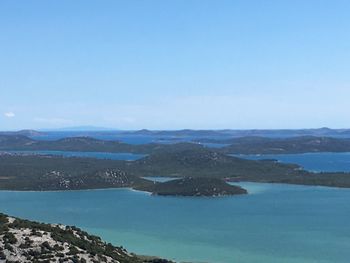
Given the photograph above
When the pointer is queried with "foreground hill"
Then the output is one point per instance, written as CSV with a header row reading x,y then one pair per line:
x,y
27,241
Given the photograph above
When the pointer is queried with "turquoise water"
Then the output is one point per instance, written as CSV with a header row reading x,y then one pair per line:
x,y
97,155
318,162
275,223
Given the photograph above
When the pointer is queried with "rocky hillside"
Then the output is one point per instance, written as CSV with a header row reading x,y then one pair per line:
x,y
27,241
43,173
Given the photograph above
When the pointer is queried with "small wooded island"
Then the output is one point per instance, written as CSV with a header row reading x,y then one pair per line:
x,y
190,186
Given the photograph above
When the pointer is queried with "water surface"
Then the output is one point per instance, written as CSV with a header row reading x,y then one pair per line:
x,y
273,224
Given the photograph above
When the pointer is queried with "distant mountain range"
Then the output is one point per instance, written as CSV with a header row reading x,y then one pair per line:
x,y
79,128
226,133
244,133
22,132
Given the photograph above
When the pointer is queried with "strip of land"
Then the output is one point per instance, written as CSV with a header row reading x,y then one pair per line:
x,y
242,145
42,173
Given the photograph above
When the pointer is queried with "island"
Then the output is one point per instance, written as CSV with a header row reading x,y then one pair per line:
x,y
231,145
290,145
27,171
27,241
190,186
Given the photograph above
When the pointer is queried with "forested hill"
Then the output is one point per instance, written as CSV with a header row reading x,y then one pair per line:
x,y
84,144
34,172
262,145
243,145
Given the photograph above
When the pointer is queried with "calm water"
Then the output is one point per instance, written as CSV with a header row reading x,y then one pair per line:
x,y
97,155
275,223
327,162
127,138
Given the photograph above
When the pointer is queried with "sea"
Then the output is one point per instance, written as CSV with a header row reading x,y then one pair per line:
x,y
274,223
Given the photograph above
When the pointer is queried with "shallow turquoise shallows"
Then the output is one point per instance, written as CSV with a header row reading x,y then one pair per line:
x,y
318,162
275,223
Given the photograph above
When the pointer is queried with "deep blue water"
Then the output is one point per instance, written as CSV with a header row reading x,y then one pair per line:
x,y
97,155
274,224
326,162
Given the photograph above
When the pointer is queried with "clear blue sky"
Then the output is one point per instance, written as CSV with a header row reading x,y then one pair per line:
x,y
174,64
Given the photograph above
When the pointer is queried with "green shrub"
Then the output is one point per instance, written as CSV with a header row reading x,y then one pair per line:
x,y
46,246
2,255
73,251
9,247
10,238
